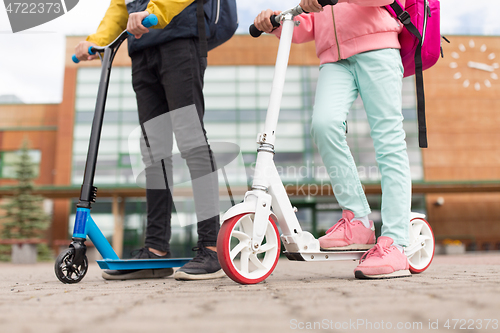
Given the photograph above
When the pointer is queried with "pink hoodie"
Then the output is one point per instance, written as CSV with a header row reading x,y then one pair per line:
x,y
348,28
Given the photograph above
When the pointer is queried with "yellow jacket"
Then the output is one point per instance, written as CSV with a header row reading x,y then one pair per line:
x,y
116,17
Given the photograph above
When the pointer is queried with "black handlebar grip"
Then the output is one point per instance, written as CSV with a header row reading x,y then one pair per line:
x,y
254,32
324,3
275,23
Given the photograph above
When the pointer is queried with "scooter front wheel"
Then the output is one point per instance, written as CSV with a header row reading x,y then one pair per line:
x,y
422,245
67,271
236,255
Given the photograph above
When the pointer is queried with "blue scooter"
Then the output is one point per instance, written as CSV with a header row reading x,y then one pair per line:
x,y
71,265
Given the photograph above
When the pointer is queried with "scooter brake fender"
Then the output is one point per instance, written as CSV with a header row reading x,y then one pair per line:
x,y
249,206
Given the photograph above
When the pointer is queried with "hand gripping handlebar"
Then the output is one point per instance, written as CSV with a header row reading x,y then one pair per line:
x,y
148,21
276,19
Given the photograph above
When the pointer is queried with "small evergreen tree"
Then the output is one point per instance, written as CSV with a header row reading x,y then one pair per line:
x,y
24,216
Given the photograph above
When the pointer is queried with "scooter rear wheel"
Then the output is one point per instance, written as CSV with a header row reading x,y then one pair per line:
x,y
236,255
68,272
422,245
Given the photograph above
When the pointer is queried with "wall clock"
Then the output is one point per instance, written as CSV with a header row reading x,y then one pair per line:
x,y
475,66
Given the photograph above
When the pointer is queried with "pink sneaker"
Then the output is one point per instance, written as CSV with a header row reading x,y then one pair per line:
x,y
347,234
382,261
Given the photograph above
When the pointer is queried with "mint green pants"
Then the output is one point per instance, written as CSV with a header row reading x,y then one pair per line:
x,y
377,77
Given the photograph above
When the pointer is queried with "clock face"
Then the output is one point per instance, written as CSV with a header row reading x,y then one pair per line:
x,y
480,71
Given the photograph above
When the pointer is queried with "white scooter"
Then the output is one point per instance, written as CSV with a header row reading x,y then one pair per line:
x,y
248,244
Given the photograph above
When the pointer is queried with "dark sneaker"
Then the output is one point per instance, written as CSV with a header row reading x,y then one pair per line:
x,y
132,274
204,266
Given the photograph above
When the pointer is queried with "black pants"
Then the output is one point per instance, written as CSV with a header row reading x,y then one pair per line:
x,y
167,78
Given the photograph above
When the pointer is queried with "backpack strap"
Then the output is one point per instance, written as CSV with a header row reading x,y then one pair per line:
x,y
202,34
405,18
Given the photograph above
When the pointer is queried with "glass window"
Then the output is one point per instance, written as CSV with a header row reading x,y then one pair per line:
x,y
220,102
223,74
129,103
80,147
221,89
222,130
114,89
84,117
127,129
130,117
112,103
108,146
246,88
87,90
84,104
246,103
128,90
247,73
88,75
264,88
247,130
266,73
291,102
82,131
110,131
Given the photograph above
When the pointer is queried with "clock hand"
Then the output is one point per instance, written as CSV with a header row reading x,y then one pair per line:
x,y
480,66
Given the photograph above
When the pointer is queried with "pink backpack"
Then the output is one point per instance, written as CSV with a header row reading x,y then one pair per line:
x,y
420,46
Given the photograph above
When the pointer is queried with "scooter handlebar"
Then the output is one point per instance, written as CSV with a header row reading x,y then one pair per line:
x,y
254,32
148,21
76,60
275,20
324,3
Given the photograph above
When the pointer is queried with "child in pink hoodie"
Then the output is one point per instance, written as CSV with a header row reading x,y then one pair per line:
x,y
357,44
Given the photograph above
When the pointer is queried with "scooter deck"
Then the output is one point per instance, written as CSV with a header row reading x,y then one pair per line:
x,y
324,255
124,264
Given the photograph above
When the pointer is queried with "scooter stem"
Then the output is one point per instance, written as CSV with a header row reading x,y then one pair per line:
x,y
266,177
88,191
273,109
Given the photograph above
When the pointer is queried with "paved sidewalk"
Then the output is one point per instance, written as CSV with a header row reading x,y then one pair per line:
x,y
298,295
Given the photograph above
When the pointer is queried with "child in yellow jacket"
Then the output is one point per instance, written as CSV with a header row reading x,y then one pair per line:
x,y
167,76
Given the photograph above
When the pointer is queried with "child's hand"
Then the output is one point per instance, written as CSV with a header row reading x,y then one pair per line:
x,y
311,6
134,24
263,20
82,51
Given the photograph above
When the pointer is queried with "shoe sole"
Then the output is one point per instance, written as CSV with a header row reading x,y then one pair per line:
x,y
396,274
180,275
351,247
140,274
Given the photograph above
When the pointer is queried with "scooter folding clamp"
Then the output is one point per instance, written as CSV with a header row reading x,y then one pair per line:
x,y
267,147
93,194
260,188
262,213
